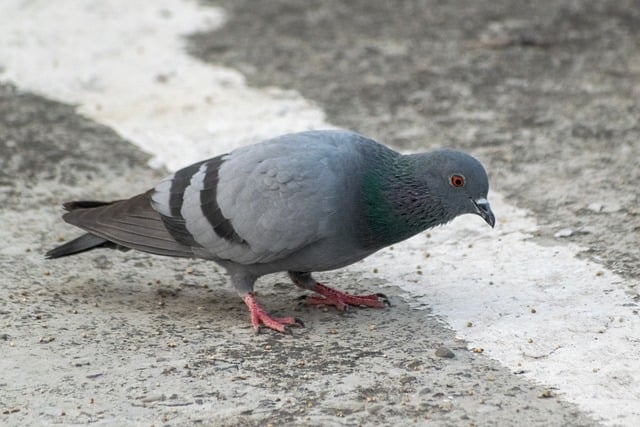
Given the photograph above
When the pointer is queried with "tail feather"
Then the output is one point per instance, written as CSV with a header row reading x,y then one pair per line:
x,y
131,223
84,204
83,243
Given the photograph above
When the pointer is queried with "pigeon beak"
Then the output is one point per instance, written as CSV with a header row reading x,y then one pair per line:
x,y
484,210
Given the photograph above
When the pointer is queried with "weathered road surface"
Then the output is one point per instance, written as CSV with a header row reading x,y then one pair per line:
x,y
546,96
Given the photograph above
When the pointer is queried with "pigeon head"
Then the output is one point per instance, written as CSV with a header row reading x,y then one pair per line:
x,y
418,191
457,180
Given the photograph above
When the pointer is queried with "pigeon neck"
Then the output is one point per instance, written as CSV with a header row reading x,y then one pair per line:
x,y
396,205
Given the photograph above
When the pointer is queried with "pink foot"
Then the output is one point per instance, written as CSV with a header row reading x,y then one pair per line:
x,y
260,318
341,300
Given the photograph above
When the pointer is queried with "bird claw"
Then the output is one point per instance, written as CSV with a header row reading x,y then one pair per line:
x,y
280,324
260,320
343,301
299,322
384,298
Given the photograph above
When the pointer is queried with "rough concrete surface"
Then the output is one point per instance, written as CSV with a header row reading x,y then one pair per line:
x,y
547,95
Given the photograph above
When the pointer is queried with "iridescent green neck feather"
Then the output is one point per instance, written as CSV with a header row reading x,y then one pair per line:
x,y
397,203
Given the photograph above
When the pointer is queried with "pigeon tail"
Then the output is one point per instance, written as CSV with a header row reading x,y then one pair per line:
x,y
130,223
86,242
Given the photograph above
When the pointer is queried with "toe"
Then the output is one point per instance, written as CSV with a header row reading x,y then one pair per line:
x,y
384,299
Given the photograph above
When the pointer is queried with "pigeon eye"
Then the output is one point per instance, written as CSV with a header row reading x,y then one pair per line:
x,y
457,180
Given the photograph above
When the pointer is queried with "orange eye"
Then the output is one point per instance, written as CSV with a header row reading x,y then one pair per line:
x,y
457,180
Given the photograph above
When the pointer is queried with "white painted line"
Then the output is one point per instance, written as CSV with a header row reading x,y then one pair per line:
x,y
124,64
563,321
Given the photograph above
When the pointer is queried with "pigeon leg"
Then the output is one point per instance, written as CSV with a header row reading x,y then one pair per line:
x,y
335,297
260,318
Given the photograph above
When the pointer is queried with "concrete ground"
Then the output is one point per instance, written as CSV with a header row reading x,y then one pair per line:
x,y
546,96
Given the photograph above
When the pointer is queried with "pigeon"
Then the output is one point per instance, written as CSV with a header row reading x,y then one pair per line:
x,y
298,203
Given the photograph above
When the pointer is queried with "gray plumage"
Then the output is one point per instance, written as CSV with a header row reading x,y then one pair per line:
x,y
300,203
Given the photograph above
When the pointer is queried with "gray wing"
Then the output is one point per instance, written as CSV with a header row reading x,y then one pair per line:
x,y
261,203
